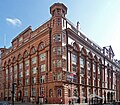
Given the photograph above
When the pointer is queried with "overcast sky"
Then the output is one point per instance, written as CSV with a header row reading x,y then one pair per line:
x,y
99,19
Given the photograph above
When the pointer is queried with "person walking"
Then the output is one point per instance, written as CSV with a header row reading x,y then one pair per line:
x,y
72,102
61,102
69,102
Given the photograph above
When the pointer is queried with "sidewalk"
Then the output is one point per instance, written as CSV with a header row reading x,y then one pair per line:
x,y
29,103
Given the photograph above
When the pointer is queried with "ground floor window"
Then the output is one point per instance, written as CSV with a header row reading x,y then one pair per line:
x,y
50,93
69,93
59,92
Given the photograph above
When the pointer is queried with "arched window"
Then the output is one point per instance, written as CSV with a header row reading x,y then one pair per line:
x,y
76,46
59,92
14,59
41,46
26,54
9,61
33,50
19,57
50,93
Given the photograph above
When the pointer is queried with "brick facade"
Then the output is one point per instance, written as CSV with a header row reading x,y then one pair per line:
x,y
57,62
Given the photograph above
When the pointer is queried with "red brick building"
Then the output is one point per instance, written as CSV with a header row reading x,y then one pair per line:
x,y
1,76
57,62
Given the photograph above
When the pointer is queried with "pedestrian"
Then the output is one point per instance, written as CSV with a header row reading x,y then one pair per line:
x,y
69,102
72,102
61,101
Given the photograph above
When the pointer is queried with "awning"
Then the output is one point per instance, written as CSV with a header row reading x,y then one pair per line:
x,y
95,96
74,97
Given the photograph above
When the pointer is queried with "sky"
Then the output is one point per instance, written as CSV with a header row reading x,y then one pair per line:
x,y
99,19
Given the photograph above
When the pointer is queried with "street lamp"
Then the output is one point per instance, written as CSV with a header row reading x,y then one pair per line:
x,y
13,91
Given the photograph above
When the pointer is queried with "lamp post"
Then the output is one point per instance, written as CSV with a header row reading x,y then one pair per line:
x,y
13,91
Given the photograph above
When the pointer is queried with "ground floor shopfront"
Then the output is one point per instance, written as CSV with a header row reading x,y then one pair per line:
x,y
60,94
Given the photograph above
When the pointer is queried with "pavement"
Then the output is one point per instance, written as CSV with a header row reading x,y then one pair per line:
x,y
28,103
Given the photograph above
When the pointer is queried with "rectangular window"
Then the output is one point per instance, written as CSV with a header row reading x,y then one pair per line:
x,y
10,77
20,74
6,78
10,70
6,71
27,63
75,92
26,92
42,67
34,70
82,62
57,38
63,38
33,60
33,92
41,91
58,63
59,76
42,56
15,68
57,50
99,76
69,77
94,74
64,50
99,83
20,81
74,68
33,80
42,79
89,81
83,91
88,65
89,90
83,80
82,71
26,81
59,21
74,58
89,73
75,79
94,82
26,72
94,67
20,66
99,69
15,76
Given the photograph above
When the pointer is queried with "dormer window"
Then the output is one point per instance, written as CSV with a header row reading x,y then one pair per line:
x,y
108,51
